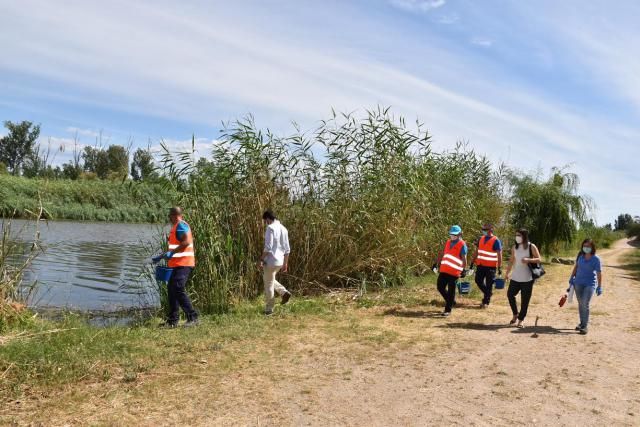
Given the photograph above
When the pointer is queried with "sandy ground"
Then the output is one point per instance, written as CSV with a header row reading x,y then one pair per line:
x,y
407,367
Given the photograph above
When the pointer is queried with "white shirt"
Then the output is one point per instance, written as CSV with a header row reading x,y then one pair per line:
x,y
276,244
521,272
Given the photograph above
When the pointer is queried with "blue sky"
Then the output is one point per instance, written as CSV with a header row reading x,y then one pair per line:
x,y
532,83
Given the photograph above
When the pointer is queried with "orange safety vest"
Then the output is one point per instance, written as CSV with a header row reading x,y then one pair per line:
x,y
187,257
451,262
487,257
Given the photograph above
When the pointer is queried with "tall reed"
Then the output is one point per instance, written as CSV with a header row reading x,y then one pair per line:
x,y
367,201
15,258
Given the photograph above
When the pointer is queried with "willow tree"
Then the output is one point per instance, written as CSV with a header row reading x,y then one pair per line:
x,y
549,208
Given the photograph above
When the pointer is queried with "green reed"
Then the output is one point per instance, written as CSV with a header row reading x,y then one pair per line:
x,y
367,201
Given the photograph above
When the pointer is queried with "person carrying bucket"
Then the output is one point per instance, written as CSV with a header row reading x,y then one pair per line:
x,y
488,259
451,267
181,259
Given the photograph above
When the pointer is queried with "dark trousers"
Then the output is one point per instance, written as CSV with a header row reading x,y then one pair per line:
x,y
514,288
485,276
447,288
178,295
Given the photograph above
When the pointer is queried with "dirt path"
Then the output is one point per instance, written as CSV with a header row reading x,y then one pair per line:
x,y
489,374
400,364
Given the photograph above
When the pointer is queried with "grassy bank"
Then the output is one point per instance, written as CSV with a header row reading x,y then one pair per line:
x,y
114,365
86,200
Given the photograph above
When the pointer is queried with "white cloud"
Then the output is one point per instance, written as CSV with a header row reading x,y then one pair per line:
x,y
83,132
482,41
418,5
180,66
449,19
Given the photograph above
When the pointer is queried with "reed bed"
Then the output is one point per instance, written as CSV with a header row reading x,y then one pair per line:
x,y
367,201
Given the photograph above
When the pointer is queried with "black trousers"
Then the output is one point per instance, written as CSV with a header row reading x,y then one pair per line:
x,y
447,288
178,297
485,277
514,288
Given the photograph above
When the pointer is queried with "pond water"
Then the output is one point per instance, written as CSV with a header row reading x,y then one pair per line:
x,y
90,266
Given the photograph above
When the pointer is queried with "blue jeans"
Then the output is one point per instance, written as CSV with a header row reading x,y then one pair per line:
x,y
584,294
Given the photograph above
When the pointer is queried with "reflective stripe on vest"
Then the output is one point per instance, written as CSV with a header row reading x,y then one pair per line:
x,y
451,262
487,257
185,258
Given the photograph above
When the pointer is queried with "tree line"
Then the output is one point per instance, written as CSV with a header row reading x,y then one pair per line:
x,y
22,155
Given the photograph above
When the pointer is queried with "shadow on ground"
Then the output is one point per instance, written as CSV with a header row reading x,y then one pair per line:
x,y
401,312
543,330
475,326
540,330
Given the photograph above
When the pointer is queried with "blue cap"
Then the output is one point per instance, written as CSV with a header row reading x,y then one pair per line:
x,y
455,229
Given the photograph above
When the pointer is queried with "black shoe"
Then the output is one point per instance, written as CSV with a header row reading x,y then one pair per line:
x,y
583,331
285,297
268,312
578,327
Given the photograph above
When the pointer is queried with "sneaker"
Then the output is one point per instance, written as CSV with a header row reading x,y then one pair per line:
x,y
446,314
583,331
285,297
191,323
483,305
578,327
268,312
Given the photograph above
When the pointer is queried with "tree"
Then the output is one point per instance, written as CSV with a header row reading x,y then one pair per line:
x,y
18,144
623,222
37,162
549,209
142,167
118,161
96,161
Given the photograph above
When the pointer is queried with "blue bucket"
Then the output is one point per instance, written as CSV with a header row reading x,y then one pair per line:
x,y
163,274
464,288
499,283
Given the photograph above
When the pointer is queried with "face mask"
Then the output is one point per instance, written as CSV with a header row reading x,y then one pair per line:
x,y
518,239
586,249
485,233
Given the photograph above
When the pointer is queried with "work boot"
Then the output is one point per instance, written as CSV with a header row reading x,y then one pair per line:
x,y
285,297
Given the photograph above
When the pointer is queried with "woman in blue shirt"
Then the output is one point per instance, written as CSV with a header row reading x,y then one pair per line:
x,y
586,278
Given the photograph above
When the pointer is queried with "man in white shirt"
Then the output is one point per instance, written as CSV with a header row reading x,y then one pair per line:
x,y
275,258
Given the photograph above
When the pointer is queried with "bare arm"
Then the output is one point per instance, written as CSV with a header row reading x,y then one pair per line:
x,y
536,259
510,265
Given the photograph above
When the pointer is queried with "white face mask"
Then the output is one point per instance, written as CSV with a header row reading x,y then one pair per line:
x,y
518,239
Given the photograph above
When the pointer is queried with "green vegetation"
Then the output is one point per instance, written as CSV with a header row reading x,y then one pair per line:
x,y
12,311
48,353
93,200
369,203
550,209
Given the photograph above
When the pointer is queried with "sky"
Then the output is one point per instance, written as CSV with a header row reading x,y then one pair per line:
x,y
534,84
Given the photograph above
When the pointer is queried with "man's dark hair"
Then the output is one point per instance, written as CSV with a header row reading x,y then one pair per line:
x,y
268,214
176,210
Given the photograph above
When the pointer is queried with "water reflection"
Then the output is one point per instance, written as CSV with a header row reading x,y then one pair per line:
x,y
90,266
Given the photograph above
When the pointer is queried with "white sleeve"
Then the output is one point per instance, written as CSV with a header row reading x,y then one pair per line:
x,y
268,240
285,241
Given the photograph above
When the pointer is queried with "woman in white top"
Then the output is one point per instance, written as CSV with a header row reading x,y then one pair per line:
x,y
523,255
